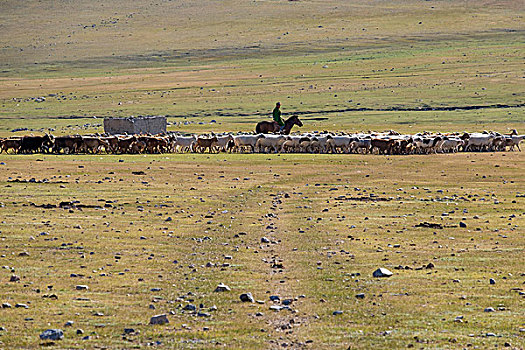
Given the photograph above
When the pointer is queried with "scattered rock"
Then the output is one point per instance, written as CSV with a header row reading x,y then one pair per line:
x,y
222,288
462,224
382,272
14,278
337,312
247,298
360,296
492,281
189,307
52,334
81,287
129,330
159,319
429,225
265,240
489,309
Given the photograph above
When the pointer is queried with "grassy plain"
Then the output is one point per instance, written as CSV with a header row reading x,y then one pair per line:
x,y
331,219
230,61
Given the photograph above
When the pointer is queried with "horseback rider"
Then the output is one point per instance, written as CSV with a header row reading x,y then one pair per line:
x,y
277,116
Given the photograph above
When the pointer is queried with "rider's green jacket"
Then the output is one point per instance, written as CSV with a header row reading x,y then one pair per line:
x,y
277,116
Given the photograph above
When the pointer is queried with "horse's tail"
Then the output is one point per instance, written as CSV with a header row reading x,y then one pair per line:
x,y
258,128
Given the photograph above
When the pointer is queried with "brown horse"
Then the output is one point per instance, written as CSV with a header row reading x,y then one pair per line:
x,y
272,127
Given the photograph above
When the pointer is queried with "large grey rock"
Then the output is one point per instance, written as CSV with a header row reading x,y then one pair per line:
x,y
159,319
382,272
52,334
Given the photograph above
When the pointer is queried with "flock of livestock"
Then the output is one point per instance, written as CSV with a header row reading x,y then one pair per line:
x,y
389,142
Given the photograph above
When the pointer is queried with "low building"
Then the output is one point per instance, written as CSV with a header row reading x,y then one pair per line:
x,y
136,125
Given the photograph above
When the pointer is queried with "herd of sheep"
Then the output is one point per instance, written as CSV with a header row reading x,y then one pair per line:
x,y
389,142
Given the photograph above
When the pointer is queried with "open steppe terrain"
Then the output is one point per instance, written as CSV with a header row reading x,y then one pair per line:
x,y
153,234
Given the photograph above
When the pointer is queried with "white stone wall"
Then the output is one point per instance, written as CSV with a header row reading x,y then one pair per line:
x,y
135,125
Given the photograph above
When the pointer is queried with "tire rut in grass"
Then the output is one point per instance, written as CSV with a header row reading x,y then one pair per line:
x,y
283,317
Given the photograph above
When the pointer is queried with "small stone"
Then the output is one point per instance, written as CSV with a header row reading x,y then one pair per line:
x,y
20,305
129,330
203,314
159,319
247,298
81,287
274,298
6,306
189,307
265,240
222,288
337,312
492,281
14,278
382,272
462,224
489,309
69,324
80,331
360,296
52,334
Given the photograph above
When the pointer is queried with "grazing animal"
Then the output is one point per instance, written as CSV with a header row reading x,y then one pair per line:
x,y
270,143
33,144
223,142
242,142
93,144
183,143
383,146
7,144
202,143
124,144
515,142
67,144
